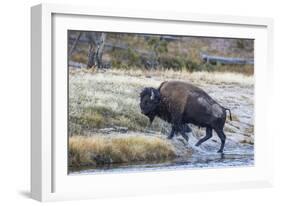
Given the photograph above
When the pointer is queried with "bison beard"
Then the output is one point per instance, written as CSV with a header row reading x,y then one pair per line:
x,y
181,103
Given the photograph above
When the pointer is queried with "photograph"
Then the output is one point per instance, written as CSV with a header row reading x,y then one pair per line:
x,y
151,102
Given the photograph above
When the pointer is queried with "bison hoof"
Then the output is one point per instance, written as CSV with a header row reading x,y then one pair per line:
x,y
220,151
198,144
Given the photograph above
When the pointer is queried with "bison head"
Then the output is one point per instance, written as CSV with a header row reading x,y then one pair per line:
x,y
149,102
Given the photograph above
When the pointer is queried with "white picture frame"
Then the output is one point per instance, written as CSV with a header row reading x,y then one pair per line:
x,y
49,178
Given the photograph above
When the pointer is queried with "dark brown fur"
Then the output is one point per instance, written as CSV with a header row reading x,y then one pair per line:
x,y
181,103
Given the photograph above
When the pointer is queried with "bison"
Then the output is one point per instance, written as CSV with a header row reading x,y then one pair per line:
x,y
181,103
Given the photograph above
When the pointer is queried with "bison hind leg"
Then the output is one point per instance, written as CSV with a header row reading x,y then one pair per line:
x,y
209,134
222,138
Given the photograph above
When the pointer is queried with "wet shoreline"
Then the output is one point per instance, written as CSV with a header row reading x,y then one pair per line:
x,y
227,160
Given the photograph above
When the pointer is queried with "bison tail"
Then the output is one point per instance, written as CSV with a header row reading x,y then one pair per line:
x,y
229,113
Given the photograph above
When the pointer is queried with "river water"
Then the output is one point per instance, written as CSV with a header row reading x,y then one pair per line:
x,y
229,160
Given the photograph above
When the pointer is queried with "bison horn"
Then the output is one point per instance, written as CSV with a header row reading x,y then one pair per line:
x,y
152,95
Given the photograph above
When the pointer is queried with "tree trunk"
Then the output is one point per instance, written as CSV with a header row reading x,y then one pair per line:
x,y
99,50
95,55
74,44
91,56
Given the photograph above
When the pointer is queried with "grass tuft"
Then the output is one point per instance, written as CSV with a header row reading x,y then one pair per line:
x,y
97,150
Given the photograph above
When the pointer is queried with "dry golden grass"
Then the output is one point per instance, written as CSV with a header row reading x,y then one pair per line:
x,y
97,150
216,77
223,76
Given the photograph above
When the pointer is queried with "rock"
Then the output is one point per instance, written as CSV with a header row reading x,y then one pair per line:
x,y
121,129
102,159
113,129
106,130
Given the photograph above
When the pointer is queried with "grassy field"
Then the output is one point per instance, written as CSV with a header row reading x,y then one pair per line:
x,y
104,109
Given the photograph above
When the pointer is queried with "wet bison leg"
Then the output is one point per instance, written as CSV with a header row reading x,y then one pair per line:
x,y
208,136
182,130
186,129
172,133
222,137
177,122
179,127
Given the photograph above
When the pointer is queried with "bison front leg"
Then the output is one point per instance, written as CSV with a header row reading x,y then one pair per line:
x,y
177,124
172,133
182,130
186,129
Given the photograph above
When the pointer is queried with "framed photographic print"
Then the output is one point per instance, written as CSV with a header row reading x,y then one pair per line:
x,y
137,102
